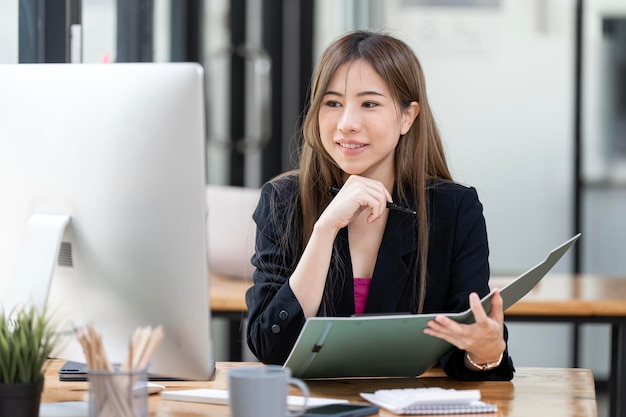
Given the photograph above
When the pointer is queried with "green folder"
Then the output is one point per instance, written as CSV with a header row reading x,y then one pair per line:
x,y
391,345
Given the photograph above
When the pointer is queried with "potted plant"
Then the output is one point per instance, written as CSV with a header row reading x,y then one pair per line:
x,y
27,337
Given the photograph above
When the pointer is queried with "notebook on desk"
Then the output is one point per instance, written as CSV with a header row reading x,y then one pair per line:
x,y
391,345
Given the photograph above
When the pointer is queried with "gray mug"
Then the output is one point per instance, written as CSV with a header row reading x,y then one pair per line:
x,y
261,391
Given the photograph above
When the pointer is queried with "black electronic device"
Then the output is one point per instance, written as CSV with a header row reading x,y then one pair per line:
x,y
342,410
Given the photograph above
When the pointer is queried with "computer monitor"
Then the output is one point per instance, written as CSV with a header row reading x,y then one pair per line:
x,y
102,176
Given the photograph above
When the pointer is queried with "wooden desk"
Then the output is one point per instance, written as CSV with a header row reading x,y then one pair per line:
x,y
534,392
228,301
227,294
576,295
583,298
568,298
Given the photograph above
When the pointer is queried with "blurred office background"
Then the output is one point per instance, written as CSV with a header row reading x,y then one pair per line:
x,y
530,96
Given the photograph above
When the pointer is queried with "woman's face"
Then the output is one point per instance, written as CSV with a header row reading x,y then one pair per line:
x,y
360,123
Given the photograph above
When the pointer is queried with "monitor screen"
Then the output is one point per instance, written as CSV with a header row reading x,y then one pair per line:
x,y
102,175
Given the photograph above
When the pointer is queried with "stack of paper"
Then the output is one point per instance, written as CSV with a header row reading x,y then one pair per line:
x,y
432,400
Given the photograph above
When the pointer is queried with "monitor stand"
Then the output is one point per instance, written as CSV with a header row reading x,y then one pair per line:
x,y
36,260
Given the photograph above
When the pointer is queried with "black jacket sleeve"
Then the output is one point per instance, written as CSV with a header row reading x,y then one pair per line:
x,y
275,316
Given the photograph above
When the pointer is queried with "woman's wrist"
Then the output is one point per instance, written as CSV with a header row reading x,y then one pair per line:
x,y
325,228
482,366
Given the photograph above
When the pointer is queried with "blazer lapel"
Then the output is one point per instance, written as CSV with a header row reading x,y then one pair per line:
x,y
392,272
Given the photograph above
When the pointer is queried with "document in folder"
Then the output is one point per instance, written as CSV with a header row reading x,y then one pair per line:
x,y
391,345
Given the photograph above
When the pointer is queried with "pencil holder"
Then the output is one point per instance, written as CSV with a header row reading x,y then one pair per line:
x,y
118,393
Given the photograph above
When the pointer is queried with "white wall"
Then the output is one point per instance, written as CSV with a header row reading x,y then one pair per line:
x,y
501,83
9,32
604,169
99,31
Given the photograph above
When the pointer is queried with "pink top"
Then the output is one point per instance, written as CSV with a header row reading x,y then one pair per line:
x,y
361,289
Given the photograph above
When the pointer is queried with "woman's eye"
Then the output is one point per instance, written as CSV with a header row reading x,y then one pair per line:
x,y
369,104
332,103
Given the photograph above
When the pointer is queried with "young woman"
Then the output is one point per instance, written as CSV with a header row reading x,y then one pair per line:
x,y
327,245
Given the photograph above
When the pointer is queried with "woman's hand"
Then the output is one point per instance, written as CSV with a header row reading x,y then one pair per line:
x,y
484,339
356,195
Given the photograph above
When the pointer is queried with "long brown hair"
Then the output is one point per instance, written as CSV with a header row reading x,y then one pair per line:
x,y
419,156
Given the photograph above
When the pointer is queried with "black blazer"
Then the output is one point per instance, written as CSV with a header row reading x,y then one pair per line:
x,y
457,265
